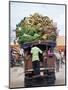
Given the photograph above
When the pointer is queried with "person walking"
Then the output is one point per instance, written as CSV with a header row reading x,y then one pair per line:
x,y
35,59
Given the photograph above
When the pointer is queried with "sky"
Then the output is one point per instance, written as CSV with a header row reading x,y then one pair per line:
x,y
20,10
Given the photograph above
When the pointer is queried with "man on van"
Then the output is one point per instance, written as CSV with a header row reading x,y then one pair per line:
x,y
35,59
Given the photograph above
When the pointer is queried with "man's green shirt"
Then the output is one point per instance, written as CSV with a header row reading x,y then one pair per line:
x,y
35,53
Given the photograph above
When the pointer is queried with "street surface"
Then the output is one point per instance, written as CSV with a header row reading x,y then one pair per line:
x,y
60,76
17,76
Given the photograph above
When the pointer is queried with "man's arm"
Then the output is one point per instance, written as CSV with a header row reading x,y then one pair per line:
x,y
40,51
31,51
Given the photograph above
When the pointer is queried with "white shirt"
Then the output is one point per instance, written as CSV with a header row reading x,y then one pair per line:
x,y
62,54
22,52
58,56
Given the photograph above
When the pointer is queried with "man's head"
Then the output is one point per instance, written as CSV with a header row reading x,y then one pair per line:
x,y
14,41
33,45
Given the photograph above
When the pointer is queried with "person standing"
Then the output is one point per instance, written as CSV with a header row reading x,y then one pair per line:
x,y
35,59
45,58
21,55
58,58
50,52
62,57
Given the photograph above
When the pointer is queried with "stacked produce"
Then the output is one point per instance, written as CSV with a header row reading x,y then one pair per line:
x,y
36,27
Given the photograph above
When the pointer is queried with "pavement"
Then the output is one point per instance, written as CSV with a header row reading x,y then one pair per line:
x,y
17,76
60,76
